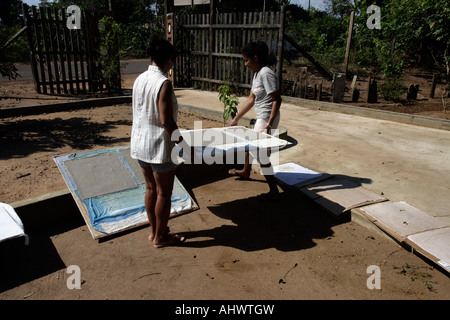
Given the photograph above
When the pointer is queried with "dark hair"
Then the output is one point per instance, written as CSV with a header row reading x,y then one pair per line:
x,y
160,50
261,50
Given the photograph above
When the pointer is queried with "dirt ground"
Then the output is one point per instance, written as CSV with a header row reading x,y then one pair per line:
x,y
237,247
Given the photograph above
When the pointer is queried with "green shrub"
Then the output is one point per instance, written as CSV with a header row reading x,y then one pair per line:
x,y
392,90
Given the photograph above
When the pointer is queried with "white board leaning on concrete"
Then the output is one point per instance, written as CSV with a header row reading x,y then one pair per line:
x,y
434,244
10,224
399,219
340,195
295,175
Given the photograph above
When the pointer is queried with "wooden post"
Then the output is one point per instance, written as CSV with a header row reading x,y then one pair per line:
x,y
212,19
58,29
31,47
66,41
280,48
433,85
319,92
170,34
168,7
338,87
355,95
372,91
349,40
412,92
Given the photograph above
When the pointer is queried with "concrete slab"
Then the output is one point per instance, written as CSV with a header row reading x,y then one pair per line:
x,y
404,162
400,219
434,244
295,175
339,196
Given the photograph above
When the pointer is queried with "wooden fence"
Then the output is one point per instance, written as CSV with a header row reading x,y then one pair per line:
x,y
61,58
210,54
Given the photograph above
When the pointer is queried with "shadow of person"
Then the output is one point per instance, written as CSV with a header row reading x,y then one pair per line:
x,y
288,225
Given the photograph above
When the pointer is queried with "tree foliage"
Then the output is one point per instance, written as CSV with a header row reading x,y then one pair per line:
x,y
413,32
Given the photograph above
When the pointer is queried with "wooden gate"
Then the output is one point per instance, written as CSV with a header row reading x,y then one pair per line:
x,y
210,54
62,59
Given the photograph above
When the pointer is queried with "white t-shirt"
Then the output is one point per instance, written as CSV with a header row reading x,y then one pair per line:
x,y
264,83
149,141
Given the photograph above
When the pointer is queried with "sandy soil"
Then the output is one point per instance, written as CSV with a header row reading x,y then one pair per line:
x,y
237,247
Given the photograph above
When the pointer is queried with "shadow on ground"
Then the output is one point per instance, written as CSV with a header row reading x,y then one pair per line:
x,y
48,135
289,225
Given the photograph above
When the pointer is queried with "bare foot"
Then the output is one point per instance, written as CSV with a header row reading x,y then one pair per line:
x,y
169,239
239,173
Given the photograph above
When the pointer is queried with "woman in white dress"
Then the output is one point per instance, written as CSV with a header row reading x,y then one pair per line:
x,y
155,112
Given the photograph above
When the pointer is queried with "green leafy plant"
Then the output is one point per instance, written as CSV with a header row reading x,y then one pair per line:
x,y
109,54
392,90
230,102
391,67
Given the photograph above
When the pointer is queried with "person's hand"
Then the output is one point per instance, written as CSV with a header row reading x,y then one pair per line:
x,y
186,151
233,123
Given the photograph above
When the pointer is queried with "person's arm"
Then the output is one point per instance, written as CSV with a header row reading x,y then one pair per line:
x,y
248,104
276,104
165,107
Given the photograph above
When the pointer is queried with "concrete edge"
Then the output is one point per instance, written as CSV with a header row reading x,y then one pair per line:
x,y
43,197
63,106
359,218
211,114
412,119
405,118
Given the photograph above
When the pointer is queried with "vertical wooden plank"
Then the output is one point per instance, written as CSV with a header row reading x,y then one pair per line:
x,y
211,17
244,42
68,52
256,23
433,85
74,52
205,49
280,48
59,32
43,23
31,46
53,47
234,49
88,50
271,34
81,53
260,30
177,75
264,35
41,57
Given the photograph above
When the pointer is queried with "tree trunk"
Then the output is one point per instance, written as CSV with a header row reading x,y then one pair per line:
x,y
447,69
